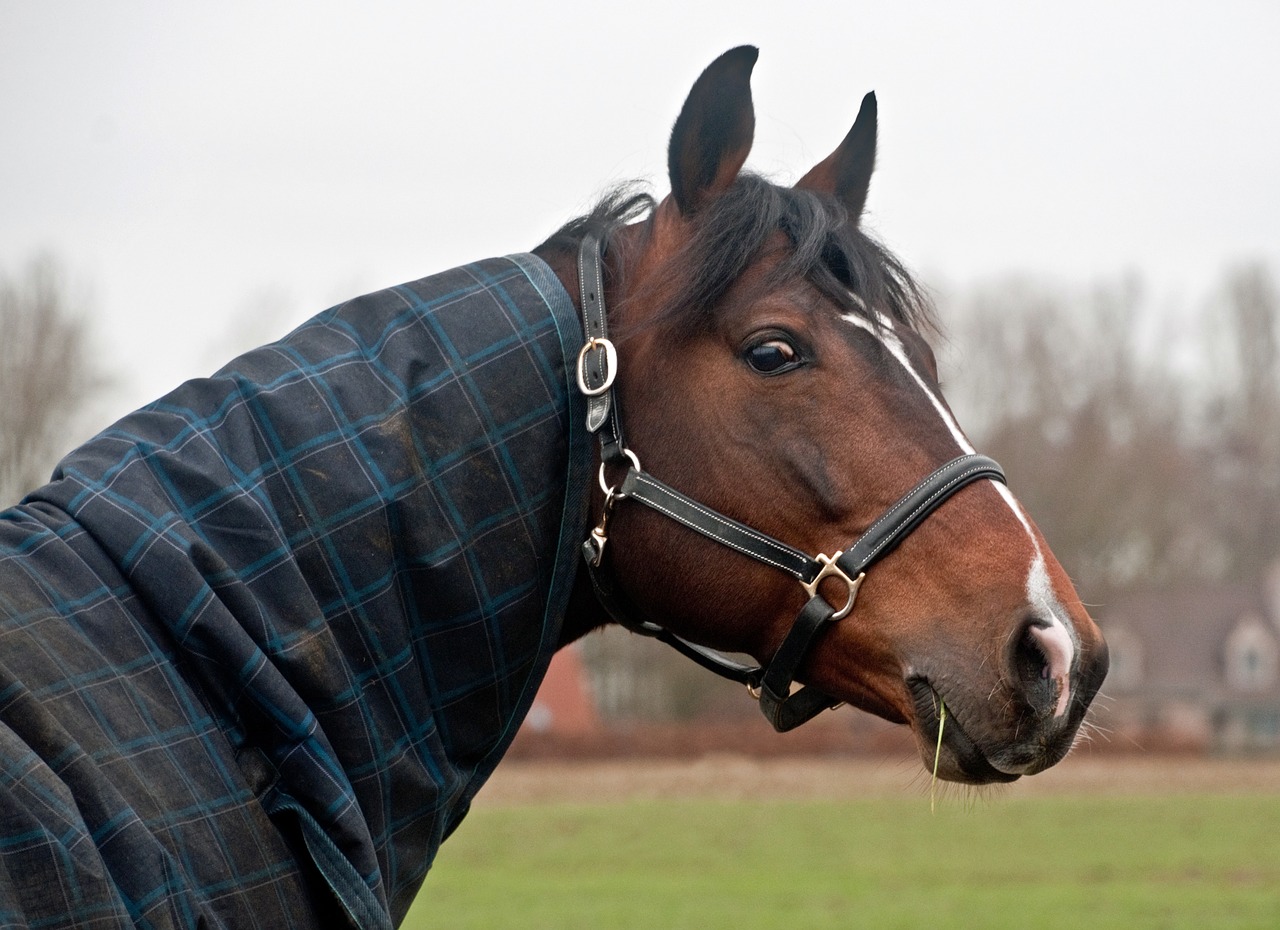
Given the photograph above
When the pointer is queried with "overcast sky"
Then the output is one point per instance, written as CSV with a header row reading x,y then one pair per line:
x,y
197,166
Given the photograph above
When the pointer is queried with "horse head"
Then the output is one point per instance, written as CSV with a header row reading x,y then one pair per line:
x,y
773,367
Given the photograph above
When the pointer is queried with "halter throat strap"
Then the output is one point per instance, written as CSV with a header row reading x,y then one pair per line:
x,y
772,684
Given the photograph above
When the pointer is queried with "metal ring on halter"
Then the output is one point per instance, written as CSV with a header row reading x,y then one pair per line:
x,y
829,570
610,366
604,485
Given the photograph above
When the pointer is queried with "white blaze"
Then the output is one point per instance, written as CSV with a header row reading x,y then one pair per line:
x,y
1058,641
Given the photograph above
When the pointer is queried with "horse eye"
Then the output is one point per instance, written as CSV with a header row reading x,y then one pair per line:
x,y
771,356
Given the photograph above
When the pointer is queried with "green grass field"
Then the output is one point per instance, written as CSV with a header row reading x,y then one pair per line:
x,y
1054,862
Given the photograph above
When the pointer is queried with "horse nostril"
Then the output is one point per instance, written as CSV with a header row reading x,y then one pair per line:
x,y
1030,664
1040,661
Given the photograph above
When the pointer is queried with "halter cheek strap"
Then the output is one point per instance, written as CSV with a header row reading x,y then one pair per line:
x,y
772,684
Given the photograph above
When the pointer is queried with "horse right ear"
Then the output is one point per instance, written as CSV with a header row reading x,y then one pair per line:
x,y
712,135
846,172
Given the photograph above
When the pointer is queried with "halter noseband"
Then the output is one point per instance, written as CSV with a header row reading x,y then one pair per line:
x,y
597,367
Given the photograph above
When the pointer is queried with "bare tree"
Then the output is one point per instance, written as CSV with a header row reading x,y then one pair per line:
x,y
1254,310
1093,432
1246,425
47,372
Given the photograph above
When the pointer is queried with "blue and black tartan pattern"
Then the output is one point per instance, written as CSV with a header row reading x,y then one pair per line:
x,y
263,640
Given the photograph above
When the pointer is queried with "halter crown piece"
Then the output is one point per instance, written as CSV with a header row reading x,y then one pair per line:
x,y
597,367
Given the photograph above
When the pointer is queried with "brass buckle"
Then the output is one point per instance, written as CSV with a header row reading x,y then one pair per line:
x,y
829,570
600,535
610,366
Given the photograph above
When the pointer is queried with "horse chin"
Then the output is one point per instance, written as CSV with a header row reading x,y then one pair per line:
x,y
958,758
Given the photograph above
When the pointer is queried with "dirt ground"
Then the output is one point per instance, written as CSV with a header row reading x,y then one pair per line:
x,y
729,776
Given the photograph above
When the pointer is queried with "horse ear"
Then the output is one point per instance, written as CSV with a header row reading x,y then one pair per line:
x,y
712,135
846,172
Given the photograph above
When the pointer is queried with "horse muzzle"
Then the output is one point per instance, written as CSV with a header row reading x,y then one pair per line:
x,y
1027,724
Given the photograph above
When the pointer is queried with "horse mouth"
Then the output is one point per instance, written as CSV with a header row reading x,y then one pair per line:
x,y
970,762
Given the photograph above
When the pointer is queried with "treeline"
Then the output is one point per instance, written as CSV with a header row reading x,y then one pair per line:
x,y
1144,440
48,371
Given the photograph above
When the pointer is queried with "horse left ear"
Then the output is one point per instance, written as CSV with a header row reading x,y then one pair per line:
x,y
712,135
846,172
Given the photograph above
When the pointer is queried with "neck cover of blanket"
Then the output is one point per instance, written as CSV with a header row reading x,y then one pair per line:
x,y
264,639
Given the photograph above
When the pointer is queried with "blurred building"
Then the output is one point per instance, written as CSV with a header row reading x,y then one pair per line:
x,y
564,704
1195,667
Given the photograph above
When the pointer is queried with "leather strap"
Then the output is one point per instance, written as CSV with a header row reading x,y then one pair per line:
x,y
785,710
908,513
592,362
646,489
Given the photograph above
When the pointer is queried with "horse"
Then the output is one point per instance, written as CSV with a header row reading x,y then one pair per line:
x,y
263,640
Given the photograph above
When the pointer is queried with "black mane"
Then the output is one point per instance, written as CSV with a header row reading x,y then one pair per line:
x,y
848,266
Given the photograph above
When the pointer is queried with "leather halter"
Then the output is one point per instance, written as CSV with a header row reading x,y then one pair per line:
x,y
596,370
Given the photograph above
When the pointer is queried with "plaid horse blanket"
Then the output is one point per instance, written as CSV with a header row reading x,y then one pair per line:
x,y
263,640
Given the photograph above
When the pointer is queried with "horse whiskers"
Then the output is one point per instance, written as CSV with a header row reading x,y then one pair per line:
x,y
1088,731
970,796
